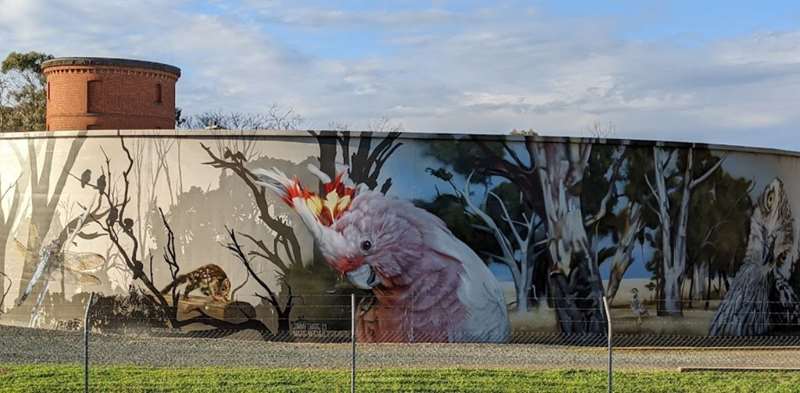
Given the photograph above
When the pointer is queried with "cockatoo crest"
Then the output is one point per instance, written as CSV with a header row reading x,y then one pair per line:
x,y
325,209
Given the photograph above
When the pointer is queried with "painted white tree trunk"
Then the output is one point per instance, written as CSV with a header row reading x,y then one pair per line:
x,y
673,278
673,249
561,167
700,280
622,260
515,250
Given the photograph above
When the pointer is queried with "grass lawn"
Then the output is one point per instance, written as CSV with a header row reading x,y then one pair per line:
x,y
68,378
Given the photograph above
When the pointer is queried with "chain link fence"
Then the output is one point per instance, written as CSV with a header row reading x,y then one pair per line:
x,y
334,339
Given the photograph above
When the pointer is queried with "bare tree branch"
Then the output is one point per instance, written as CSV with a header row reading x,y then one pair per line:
x,y
283,311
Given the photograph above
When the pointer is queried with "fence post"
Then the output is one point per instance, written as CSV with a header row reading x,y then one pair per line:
x,y
353,342
86,329
610,344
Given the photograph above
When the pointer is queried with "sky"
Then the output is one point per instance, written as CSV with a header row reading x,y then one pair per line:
x,y
717,71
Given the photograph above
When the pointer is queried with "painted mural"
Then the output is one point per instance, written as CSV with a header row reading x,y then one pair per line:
x,y
443,238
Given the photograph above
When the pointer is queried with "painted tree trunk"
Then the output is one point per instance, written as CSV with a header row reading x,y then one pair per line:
x,y
673,248
578,297
524,285
516,249
8,216
284,324
661,161
699,280
673,279
674,239
4,279
44,198
622,260
522,301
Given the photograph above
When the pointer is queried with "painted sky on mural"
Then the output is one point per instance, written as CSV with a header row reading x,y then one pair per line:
x,y
726,73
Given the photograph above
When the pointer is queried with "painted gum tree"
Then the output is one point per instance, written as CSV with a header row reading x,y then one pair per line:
x,y
552,175
575,275
622,259
515,235
674,181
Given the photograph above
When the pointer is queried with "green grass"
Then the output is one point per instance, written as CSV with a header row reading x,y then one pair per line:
x,y
123,379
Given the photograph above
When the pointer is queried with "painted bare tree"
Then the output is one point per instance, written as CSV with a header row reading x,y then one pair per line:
x,y
47,182
151,166
9,217
673,235
367,161
120,230
283,250
7,282
517,247
552,175
74,227
574,273
284,310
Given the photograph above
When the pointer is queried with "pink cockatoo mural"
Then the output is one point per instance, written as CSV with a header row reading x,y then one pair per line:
x,y
485,238
428,285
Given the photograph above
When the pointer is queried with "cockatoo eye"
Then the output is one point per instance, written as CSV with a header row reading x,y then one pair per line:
x,y
366,245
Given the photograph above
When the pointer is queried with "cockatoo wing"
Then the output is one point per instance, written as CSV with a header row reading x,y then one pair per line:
x,y
479,290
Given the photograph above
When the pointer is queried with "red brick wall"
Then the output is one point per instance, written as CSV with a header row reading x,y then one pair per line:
x,y
125,98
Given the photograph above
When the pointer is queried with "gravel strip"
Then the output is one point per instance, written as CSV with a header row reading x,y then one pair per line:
x,y
30,346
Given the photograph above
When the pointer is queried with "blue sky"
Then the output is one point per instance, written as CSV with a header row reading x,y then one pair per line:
x,y
712,71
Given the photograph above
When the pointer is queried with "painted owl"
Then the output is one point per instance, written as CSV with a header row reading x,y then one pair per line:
x,y
760,295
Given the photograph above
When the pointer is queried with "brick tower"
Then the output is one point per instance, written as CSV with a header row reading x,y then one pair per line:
x,y
92,93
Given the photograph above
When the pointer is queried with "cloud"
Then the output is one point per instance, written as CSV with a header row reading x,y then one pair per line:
x,y
438,69
321,18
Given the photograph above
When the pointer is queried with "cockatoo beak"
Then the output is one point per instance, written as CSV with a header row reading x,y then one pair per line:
x,y
364,277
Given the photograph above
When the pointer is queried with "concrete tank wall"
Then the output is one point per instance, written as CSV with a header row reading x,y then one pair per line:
x,y
458,238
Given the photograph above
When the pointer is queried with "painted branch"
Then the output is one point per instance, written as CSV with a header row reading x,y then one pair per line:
x,y
222,328
622,260
259,196
272,298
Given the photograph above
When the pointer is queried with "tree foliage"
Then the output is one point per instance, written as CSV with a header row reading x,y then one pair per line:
x,y
721,210
23,95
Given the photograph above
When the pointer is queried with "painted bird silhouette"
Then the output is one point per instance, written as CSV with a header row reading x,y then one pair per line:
x,y
428,285
86,177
